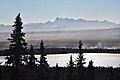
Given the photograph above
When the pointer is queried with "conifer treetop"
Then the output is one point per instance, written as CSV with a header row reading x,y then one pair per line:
x,y
17,46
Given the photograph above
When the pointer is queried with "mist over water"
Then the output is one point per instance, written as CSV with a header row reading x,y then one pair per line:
x,y
69,39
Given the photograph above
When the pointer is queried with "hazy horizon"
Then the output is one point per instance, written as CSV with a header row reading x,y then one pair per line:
x,y
70,18
47,10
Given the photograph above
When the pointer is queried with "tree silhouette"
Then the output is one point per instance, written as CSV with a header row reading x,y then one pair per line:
x,y
42,48
90,65
80,59
32,58
70,68
80,63
18,45
91,70
43,61
71,62
56,65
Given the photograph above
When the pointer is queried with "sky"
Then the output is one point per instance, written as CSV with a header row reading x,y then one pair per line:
x,y
35,11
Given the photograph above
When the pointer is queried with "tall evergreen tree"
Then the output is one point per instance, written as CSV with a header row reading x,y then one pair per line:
x,y
80,59
43,62
17,45
80,63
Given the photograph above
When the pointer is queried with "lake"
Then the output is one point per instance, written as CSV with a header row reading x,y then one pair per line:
x,y
99,59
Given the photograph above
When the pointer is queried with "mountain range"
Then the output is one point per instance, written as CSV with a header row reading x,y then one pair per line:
x,y
60,24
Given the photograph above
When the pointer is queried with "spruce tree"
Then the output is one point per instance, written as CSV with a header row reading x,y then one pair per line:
x,y
71,62
43,62
80,63
80,59
17,46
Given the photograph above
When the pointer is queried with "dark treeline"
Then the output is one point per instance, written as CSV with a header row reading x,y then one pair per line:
x,y
23,65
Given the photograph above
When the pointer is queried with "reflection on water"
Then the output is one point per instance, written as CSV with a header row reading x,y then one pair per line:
x,y
99,59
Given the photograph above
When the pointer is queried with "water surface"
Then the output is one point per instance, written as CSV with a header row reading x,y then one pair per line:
x,y
99,59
